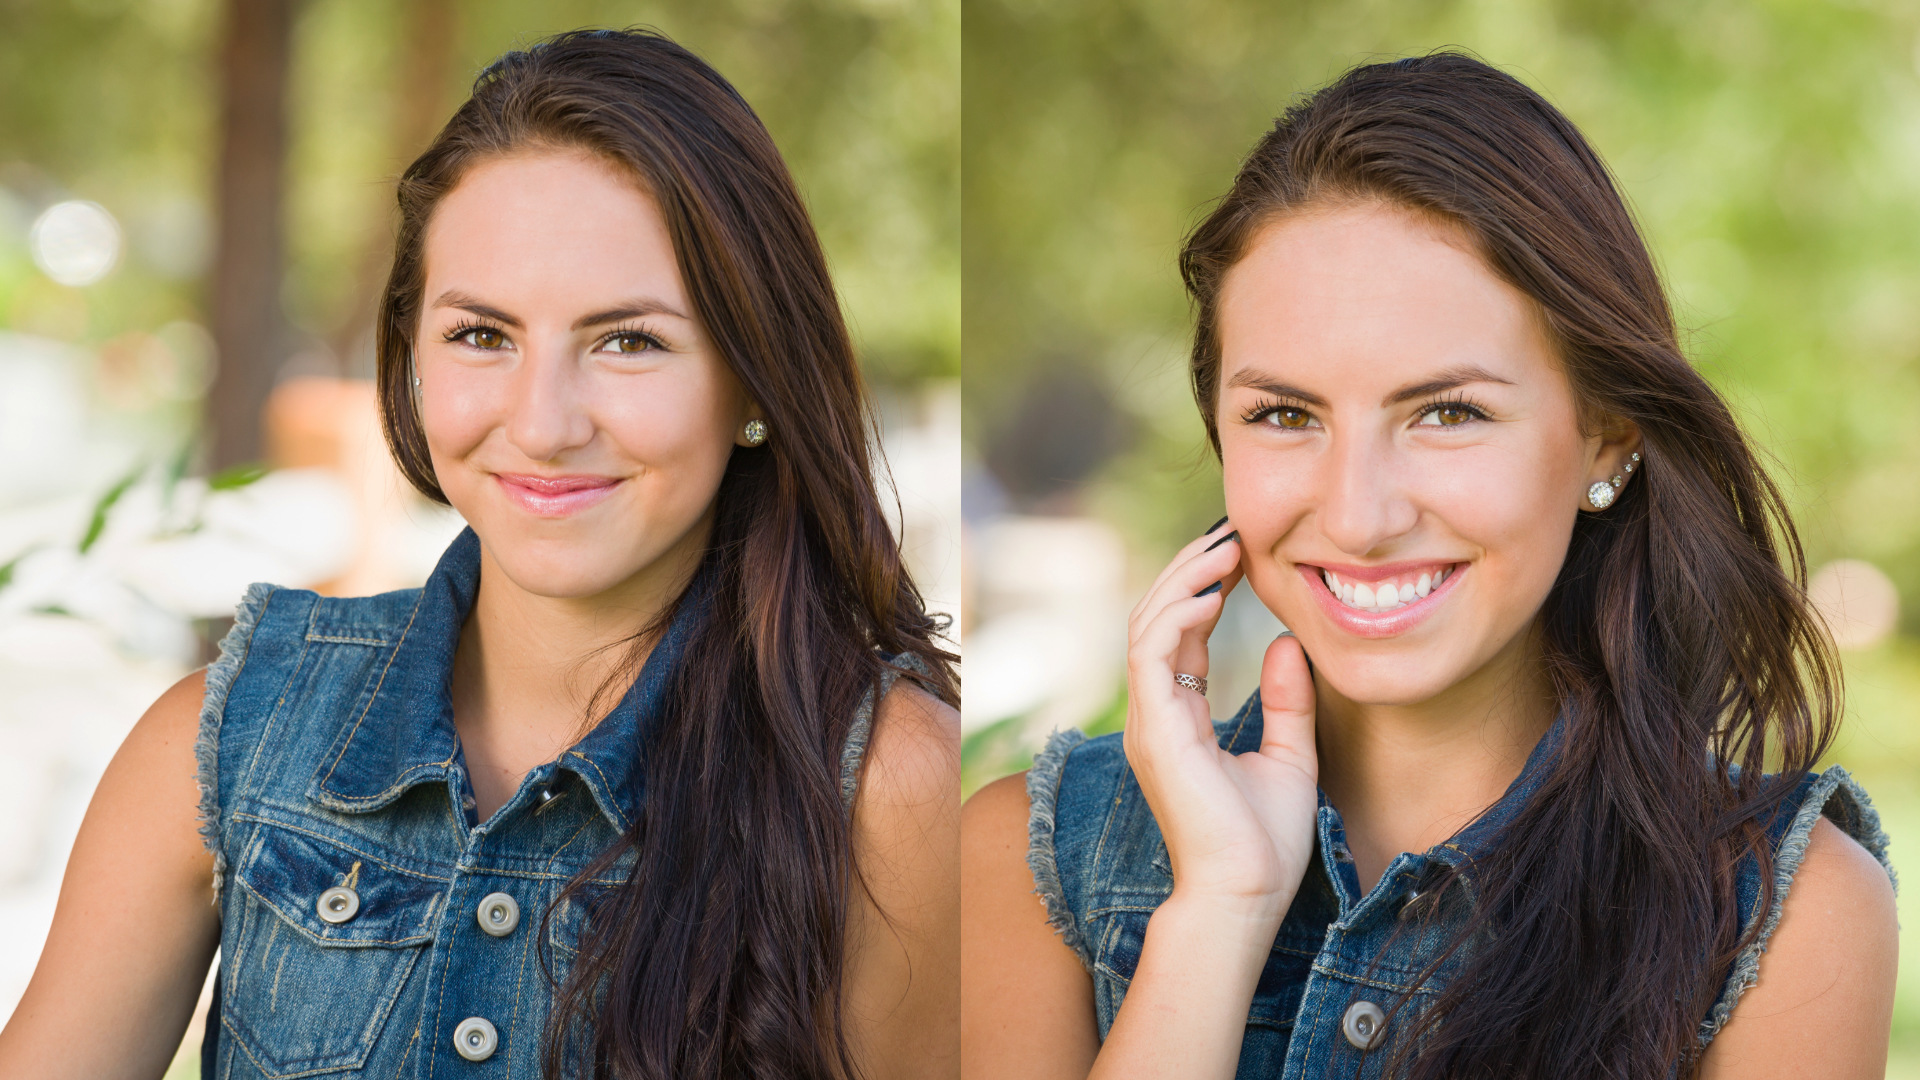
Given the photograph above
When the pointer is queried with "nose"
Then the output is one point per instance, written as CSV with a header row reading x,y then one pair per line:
x,y
547,414
1363,498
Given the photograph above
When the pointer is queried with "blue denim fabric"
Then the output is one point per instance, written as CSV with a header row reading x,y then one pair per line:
x,y
1101,868
328,757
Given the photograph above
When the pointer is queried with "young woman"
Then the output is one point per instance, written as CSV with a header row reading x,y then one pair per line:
x,y
630,788
1500,807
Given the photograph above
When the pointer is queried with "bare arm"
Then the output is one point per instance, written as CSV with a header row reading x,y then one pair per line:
x,y
1824,1003
1026,1005
135,928
903,936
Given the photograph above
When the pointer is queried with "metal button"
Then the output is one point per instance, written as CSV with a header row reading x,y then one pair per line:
x,y
475,1039
1364,1025
338,904
498,914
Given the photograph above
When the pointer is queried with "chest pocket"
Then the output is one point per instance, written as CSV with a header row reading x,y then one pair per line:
x,y
307,994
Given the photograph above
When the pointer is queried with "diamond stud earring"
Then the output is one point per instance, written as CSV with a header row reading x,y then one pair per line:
x,y
1602,493
755,432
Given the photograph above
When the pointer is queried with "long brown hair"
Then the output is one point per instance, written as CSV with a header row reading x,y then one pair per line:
x,y
1606,916
721,953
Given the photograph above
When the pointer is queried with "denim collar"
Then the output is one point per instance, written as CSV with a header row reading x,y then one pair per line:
x,y
404,734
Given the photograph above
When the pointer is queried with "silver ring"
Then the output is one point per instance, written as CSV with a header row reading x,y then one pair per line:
x,y
1191,682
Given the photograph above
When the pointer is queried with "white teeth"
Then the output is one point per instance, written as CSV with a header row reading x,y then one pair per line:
x,y
1382,596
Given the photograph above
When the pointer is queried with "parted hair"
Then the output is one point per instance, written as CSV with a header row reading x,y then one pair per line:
x,y
1678,636
721,953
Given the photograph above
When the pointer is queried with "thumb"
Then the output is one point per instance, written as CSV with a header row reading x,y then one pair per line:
x,y
1286,705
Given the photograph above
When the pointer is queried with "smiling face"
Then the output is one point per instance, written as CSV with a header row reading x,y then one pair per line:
x,y
576,413
1403,453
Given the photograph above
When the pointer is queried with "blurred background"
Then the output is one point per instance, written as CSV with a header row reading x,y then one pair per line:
x,y
1771,149
195,218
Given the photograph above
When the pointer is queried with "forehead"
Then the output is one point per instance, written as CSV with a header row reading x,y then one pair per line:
x,y
1370,294
564,227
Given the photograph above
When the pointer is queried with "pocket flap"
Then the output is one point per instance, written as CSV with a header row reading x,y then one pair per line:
x,y
288,870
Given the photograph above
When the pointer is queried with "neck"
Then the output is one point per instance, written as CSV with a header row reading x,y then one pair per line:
x,y
1407,777
528,667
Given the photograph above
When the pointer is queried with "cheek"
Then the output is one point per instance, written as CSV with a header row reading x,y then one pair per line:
x,y
1265,493
460,408
679,415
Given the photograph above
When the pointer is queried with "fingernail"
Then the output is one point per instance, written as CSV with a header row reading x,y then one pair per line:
x,y
1208,591
1214,526
1234,535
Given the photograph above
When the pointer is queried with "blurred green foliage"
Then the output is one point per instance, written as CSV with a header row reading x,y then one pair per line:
x,y
116,101
1771,150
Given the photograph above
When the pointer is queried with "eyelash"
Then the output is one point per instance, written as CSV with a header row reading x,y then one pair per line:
x,y
1263,409
463,329
1467,405
469,326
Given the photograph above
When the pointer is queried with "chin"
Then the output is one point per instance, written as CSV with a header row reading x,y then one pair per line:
x,y
1382,681
1403,672
562,568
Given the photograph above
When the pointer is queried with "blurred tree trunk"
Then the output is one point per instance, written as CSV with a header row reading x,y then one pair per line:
x,y
431,31
248,325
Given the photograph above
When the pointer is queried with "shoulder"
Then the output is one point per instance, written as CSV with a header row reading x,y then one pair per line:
x,y
913,756
993,840
148,790
1818,997
173,720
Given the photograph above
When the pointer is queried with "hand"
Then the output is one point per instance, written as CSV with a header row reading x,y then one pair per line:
x,y
1239,829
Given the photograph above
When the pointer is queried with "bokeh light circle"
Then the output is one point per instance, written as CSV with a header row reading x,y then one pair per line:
x,y
1860,604
75,242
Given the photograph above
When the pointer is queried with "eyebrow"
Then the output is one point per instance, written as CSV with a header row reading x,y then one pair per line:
x,y
1447,380
632,309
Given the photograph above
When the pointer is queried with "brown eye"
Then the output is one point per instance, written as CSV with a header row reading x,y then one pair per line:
x,y
1448,414
1290,418
484,337
631,343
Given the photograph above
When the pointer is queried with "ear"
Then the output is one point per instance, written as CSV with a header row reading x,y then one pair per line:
x,y
1617,457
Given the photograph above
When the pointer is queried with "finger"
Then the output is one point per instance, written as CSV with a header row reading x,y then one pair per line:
x,y
1193,547
1192,654
1286,705
1151,660
1184,579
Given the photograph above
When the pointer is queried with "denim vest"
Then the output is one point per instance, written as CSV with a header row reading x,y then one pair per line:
x,y
1344,971
369,925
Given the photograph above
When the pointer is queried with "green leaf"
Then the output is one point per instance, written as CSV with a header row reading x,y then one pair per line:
x,y
176,471
7,568
237,477
98,523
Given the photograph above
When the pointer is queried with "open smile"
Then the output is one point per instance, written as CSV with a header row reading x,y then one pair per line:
x,y
1381,601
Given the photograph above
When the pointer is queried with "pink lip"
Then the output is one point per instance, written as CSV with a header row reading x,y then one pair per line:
x,y
555,496
1386,624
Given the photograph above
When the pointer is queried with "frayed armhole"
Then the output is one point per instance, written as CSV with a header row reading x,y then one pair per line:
x,y
206,746
1043,794
1836,796
853,753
